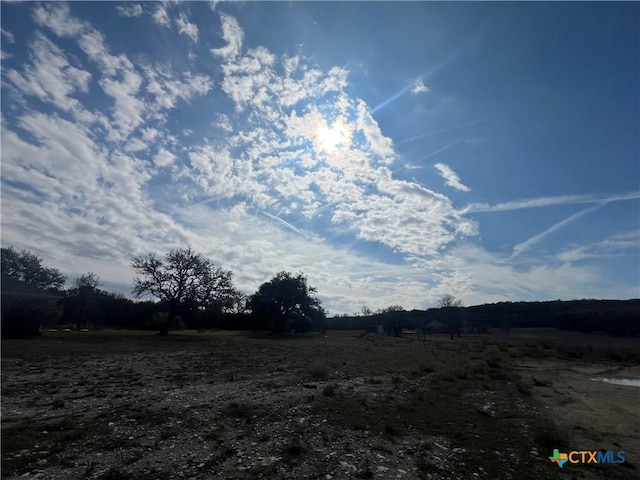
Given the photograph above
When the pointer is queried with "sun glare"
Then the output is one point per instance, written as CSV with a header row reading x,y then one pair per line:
x,y
330,138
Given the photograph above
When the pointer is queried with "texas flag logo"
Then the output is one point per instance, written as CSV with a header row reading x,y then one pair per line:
x,y
559,458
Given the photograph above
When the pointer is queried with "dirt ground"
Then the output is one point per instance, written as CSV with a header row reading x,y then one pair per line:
x,y
131,405
595,414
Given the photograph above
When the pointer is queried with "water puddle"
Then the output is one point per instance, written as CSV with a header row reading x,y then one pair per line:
x,y
619,381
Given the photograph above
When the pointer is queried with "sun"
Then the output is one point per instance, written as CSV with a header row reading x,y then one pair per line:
x,y
330,138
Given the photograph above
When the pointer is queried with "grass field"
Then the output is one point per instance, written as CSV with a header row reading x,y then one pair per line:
x,y
115,405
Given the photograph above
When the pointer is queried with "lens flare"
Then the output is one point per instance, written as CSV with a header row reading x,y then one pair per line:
x,y
330,138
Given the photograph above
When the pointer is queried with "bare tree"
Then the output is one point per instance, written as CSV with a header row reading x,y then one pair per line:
x,y
449,303
182,280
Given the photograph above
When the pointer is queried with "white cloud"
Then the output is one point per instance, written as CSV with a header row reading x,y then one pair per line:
x,y
572,255
129,108
380,145
223,122
187,28
50,76
130,10
256,246
477,276
57,17
232,34
135,145
167,90
451,177
268,186
164,158
149,134
8,35
273,164
398,216
419,87
120,78
160,15
615,245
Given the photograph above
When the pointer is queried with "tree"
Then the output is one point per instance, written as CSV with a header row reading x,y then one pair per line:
x,y
88,281
184,280
82,298
393,316
449,303
27,267
287,300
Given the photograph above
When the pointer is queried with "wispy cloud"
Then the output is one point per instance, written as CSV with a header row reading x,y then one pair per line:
x,y
451,177
232,34
8,35
130,10
160,15
285,224
50,76
434,132
527,244
429,155
187,28
58,18
419,87
550,201
616,245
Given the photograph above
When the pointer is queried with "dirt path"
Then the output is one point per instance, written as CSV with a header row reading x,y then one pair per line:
x,y
594,415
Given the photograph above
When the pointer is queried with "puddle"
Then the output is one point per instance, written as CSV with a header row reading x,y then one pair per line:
x,y
619,381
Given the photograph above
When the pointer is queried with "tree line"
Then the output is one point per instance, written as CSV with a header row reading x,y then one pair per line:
x,y
615,317
181,289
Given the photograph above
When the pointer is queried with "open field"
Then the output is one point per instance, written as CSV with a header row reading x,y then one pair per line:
x,y
131,405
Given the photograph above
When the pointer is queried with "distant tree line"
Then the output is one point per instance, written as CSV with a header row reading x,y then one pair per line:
x,y
183,289
615,317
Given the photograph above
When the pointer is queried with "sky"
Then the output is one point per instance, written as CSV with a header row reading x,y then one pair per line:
x,y
392,152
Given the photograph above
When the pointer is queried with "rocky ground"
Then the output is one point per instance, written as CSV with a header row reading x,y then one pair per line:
x,y
111,406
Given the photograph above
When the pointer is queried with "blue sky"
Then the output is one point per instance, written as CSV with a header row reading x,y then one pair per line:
x,y
392,152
